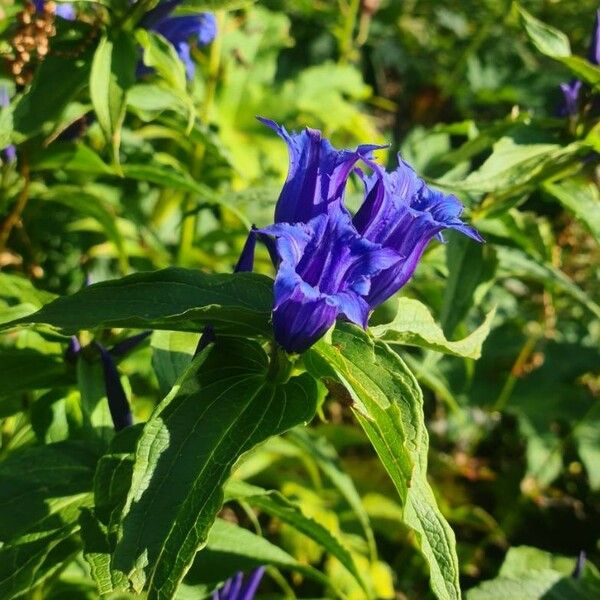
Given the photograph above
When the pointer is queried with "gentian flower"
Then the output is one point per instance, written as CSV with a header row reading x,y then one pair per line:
x,y
324,270
402,213
9,154
238,589
331,264
64,10
570,102
180,29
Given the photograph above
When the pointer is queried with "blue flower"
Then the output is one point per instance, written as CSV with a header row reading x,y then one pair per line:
x,y
331,264
570,101
317,173
179,30
238,589
64,10
324,270
402,213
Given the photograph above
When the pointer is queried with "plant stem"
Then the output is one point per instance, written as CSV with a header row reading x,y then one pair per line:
x,y
347,34
14,216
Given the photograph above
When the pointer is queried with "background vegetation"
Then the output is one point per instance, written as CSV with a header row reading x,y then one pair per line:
x,y
173,172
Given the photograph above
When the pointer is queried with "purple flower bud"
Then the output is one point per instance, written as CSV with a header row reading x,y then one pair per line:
x,y
238,589
570,102
594,49
115,394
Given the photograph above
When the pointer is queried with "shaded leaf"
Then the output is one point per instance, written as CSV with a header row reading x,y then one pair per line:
x,y
174,299
223,406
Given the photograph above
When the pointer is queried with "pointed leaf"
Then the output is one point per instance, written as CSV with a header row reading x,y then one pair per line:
x,y
415,326
175,299
223,406
394,423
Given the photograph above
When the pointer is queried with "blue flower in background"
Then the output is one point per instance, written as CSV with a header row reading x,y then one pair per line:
x,y
402,213
64,10
317,174
331,264
178,30
9,154
570,102
324,270
571,91
594,49
238,589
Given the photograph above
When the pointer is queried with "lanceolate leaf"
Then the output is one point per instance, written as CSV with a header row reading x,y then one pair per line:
x,y
224,405
175,299
230,548
392,416
415,326
275,504
113,73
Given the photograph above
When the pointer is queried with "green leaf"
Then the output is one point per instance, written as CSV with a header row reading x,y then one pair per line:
x,y
174,299
70,157
555,44
26,564
172,353
230,549
582,198
276,505
24,369
547,39
161,56
415,326
42,487
532,574
223,407
45,101
392,416
325,455
112,74
513,165
212,5
514,263
469,266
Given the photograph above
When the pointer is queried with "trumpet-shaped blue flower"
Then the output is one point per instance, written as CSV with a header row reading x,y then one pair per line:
x,y
317,173
324,270
238,589
402,213
331,264
179,30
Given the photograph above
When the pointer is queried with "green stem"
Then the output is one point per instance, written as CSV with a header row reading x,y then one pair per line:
x,y
347,34
514,375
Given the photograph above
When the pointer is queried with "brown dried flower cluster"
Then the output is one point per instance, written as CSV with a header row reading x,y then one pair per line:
x,y
31,40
